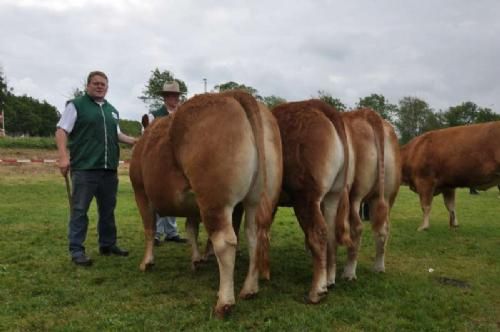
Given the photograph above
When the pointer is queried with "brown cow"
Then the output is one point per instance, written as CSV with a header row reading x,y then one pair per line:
x,y
215,151
441,160
315,157
375,179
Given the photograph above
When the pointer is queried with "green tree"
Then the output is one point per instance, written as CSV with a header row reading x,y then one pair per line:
x,y
25,115
414,118
150,94
3,90
236,86
379,104
486,115
5,94
273,101
48,116
468,113
462,114
329,99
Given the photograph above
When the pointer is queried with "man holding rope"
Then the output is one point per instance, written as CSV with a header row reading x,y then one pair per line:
x,y
89,127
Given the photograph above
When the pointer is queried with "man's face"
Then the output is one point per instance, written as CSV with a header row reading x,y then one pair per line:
x,y
97,87
171,100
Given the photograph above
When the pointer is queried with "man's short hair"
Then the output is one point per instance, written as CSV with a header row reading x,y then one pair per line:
x,y
95,73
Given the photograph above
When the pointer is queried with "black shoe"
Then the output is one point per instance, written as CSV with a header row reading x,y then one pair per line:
x,y
157,242
176,238
82,260
113,250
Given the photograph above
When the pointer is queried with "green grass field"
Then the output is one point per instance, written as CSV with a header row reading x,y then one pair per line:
x,y
41,290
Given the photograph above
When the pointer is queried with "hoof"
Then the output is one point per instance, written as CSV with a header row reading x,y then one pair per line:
x,y
146,267
331,286
223,311
207,255
423,228
349,277
195,265
314,300
248,296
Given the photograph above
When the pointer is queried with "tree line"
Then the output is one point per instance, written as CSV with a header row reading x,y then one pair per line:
x,y
411,117
24,115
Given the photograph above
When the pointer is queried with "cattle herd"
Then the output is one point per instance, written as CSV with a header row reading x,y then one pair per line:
x,y
222,154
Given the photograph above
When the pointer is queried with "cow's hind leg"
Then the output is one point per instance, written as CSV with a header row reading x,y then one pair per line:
x,y
251,285
330,206
312,222
192,230
220,229
356,227
425,195
148,220
237,216
379,216
449,202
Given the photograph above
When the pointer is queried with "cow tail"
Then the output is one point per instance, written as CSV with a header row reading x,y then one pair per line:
x,y
342,227
381,210
264,211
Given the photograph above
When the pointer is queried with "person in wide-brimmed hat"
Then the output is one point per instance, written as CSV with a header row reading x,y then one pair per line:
x,y
171,92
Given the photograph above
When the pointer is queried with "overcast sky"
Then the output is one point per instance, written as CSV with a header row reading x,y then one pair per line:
x,y
444,52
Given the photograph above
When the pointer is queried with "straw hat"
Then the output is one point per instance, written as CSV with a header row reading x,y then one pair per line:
x,y
170,88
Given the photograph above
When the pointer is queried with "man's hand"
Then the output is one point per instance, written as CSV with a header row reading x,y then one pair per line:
x,y
63,164
122,138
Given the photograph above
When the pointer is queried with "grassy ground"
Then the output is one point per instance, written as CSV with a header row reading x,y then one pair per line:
x,y
41,290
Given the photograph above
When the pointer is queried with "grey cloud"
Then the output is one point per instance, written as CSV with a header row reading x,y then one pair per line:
x,y
444,52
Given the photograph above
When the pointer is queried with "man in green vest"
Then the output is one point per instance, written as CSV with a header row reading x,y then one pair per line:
x,y
166,226
89,129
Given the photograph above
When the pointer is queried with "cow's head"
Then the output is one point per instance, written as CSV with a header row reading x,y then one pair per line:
x,y
145,121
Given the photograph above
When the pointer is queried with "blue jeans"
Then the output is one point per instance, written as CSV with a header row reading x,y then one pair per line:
x,y
165,226
103,185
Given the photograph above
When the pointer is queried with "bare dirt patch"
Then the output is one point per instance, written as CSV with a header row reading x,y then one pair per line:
x,y
27,154
26,169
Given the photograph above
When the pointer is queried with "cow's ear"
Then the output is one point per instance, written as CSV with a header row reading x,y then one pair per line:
x,y
145,121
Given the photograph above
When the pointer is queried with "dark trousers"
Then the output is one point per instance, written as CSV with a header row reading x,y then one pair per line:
x,y
103,185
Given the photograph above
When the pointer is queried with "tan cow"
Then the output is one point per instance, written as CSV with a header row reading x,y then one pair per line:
x,y
374,178
441,160
217,150
315,157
